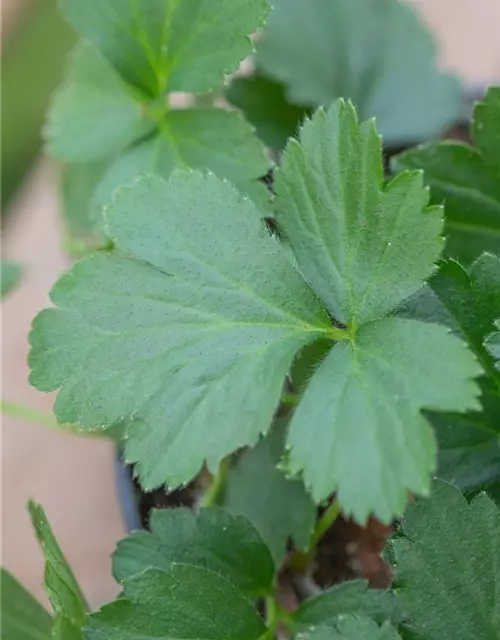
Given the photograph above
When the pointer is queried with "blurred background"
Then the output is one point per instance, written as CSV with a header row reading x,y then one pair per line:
x,y
73,477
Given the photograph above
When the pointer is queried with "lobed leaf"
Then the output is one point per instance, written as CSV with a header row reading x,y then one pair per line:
x,y
363,246
361,50
467,180
189,328
159,46
188,602
359,430
447,566
23,617
93,115
215,540
207,139
278,507
345,599
352,628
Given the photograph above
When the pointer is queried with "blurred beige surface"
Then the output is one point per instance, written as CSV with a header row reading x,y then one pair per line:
x,y
74,477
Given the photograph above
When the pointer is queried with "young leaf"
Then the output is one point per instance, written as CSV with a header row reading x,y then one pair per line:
x,y
264,104
352,628
10,275
23,617
185,602
62,589
214,139
216,540
93,115
190,327
363,247
159,46
447,567
361,50
279,507
358,429
64,629
492,345
467,180
485,127
351,597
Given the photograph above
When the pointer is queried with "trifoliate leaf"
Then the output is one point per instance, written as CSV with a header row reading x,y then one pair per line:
x,y
467,180
279,507
10,275
358,429
448,566
492,345
214,139
351,628
485,128
23,617
352,597
159,46
62,589
216,540
361,50
189,327
185,602
78,184
93,115
363,246
265,106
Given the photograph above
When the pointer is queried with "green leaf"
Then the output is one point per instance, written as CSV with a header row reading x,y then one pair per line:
x,y
78,184
469,445
23,617
214,139
447,566
65,629
352,597
188,602
93,115
216,540
159,46
264,104
363,246
358,429
278,507
362,50
485,127
62,589
190,327
457,175
352,628
492,344
10,276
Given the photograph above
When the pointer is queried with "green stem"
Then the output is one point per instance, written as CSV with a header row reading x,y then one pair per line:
x,y
323,524
45,419
27,413
302,559
271,612
215,490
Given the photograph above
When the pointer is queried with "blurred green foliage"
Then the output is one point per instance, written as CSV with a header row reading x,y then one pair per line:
x,y
33,59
